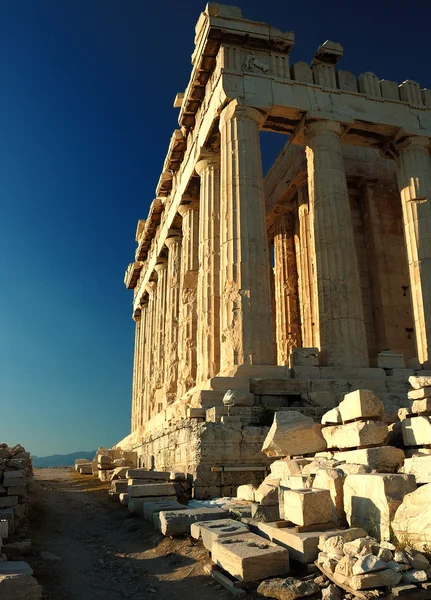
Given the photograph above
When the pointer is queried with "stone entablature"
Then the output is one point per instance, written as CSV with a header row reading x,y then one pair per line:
x,y
210,304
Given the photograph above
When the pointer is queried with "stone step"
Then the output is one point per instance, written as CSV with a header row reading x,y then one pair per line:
x,y
151,489
211,531
178,522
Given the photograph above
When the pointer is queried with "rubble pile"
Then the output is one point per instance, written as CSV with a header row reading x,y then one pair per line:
x,y
16,485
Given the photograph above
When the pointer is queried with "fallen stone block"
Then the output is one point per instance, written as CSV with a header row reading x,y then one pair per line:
x,y
288,588
17,549
420,467
302,546
152,508
280,469
307,507
383,459
17,490
304,357
414,576
370,501
119,473
332,417
421,394
8,501
119,486
390,360
15,568
250,558
416,431
211,531
265,513
367,564
145,474
151,489
334,541
136,505
85,469
372,580
8,514
357,433
333,481
246,492
412,521
238,509
19,587
422,381
292,434
267,492
124,499
178,522
320,463
360,404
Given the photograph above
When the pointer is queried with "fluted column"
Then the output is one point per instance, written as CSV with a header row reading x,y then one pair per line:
x,y
414,182
161,269
306,280
172,317
188,295
149,351
208,334
246,321
341,327
135,384
141,365
288,328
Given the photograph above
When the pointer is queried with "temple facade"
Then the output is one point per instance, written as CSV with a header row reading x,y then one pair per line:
x,y
290,289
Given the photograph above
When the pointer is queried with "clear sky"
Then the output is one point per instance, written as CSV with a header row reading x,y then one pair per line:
x,y
86,93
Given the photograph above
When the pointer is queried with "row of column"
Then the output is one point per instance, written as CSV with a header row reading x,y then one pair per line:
x,y
210,309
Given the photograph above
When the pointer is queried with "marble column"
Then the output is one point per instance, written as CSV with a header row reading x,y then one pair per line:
x,y
188,294
136,358
341,327
172,317
141,364
306,268
151,288
208,301
288,327
246,322
414,182
161,269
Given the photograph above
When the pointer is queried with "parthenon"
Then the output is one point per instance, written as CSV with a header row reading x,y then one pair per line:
x,y
289,289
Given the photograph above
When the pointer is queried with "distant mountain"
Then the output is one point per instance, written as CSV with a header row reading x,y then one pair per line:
x,y
60,460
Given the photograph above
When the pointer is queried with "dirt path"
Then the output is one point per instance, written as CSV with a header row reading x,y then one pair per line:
x,y
106,553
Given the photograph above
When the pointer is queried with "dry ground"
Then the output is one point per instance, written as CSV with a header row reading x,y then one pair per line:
x,y
108,554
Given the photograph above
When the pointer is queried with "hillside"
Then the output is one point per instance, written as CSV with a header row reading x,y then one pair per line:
x,y
61,460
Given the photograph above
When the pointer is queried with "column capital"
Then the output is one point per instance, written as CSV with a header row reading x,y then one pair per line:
x,y
151,286
240,111
283,221
173,239
161,265
207,161
314,128
183,209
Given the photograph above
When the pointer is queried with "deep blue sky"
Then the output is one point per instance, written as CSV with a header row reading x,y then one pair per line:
x,y
86,92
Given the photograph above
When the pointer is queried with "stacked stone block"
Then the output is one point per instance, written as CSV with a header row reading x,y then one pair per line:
x,y
416,429
16,483
355,433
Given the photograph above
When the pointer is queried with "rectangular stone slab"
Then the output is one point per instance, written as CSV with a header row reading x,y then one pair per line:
x,y
178,522
360,404
151,489
152,508
302,547
358,433
8,501
421,394
9,515
142,474
15,567
248,557
119,486
416,431
307,507
420,467
136,505
383,459
15,481
211,531
4,529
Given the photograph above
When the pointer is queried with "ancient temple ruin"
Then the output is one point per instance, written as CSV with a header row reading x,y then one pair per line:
x,y
291,289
